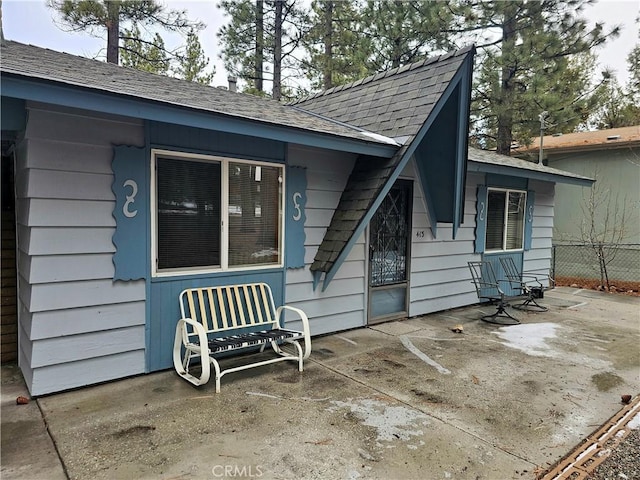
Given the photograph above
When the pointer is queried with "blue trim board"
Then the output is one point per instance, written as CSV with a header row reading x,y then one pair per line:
x,y
405,153
13,114
86,99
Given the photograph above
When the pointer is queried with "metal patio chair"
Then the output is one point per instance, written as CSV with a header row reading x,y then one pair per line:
x,y
530,285
488,288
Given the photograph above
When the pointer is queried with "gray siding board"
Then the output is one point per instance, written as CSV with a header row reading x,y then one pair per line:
x,y
88,345
61,241
342,305
54,155
57,377
66,268
77,326
52,184
69,213
56,296
54,323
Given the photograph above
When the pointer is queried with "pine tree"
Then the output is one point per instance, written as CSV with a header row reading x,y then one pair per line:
x,y
117,16
400,33
335,47
192,64
262,36
145,55
535,63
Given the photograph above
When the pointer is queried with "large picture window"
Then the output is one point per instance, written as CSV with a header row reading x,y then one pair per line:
x,y
214,213
505,219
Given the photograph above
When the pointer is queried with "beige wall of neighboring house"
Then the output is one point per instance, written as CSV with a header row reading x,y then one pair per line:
x,y
612,158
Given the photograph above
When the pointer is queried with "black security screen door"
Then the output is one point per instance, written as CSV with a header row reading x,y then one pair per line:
x,y
389,255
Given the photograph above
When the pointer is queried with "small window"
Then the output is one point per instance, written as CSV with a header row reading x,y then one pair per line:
x,y
216,214
505,220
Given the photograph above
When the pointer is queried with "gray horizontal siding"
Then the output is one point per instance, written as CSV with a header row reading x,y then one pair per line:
x,y
78,326
538,258
440,277
342,305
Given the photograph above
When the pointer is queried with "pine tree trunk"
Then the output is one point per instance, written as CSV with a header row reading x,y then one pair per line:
x,y
113,32
328,46
505,110
277,52
259,60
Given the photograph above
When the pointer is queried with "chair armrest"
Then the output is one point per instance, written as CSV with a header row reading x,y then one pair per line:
x,y
305,326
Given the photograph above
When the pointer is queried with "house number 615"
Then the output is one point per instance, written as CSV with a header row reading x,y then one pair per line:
x,y
130,199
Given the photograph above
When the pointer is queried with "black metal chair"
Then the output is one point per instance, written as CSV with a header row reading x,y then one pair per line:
x,y
488,288
530,285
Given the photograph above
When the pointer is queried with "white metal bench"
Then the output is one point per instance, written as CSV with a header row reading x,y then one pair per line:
x,y
223,319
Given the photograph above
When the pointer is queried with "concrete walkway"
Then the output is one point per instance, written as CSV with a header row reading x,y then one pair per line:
x,y
408,399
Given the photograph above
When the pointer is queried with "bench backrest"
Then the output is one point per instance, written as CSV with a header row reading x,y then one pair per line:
x,y
229,307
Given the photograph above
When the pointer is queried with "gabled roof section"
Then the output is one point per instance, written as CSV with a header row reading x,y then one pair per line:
x,y
403,104
44,66
490,162
394,103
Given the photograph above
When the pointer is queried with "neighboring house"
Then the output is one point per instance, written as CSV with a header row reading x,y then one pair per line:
x,y
357,205
612,158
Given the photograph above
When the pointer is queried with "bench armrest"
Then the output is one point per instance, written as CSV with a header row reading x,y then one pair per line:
x,y
182,340
305,326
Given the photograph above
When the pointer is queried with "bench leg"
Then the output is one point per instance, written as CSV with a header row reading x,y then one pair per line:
x,y
300,355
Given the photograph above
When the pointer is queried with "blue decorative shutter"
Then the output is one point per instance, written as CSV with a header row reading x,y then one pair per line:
x,y
130,166
528,219
481,218
296,203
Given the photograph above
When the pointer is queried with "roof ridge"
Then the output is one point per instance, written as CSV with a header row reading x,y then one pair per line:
x,y
387,73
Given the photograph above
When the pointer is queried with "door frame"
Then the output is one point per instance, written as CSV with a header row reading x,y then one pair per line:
x,y
408,184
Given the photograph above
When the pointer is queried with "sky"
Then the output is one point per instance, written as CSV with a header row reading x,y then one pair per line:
x,y
32,22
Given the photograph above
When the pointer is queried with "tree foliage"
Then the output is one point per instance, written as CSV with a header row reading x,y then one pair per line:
x,y
117,16
146,55
260,41
192,64
535,58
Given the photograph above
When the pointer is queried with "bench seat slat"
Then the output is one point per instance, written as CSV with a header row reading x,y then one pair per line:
x,y
234,342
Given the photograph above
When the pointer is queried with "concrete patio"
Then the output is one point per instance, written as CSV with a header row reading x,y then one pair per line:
x,y
407,399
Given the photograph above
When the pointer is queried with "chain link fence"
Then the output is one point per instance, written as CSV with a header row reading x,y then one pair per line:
x,y
580,261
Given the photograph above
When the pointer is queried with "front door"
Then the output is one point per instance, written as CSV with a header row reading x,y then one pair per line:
x,y
389,255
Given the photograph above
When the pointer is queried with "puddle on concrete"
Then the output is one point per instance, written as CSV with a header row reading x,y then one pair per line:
x,y
392,422
529,338
606,381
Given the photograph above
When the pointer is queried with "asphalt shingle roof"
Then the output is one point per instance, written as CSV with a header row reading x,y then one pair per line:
x,y
44,64
493,158
396,104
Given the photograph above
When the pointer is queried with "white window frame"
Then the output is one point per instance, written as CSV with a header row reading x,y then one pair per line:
x,y
224,205
505,219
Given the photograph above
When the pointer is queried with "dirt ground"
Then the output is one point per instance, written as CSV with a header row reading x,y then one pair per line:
x,y
618,287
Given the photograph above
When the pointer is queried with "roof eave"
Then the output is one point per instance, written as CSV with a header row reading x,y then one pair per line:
x,y
56,93
481,167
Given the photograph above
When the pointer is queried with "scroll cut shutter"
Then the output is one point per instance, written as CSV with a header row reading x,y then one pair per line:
x,y
481,218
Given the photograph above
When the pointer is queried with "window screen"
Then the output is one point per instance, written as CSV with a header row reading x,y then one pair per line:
x,y
194,230
255,214
188,201
505,220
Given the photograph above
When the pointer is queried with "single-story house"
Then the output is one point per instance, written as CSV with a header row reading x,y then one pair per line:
x,y
358,205
612,158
